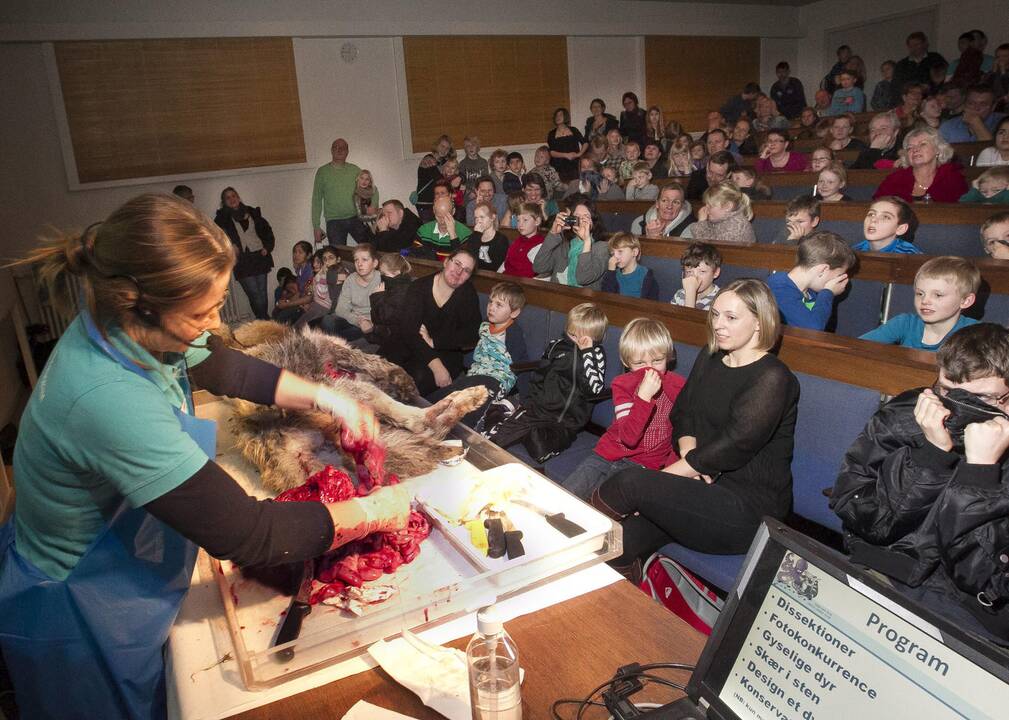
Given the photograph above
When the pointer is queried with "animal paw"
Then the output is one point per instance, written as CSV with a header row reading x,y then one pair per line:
x,y
448,411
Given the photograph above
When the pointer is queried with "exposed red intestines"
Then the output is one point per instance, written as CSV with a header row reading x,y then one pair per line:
x,y
362,560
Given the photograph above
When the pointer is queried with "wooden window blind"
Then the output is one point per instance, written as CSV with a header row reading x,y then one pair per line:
x,y
502,89
688,77
145,108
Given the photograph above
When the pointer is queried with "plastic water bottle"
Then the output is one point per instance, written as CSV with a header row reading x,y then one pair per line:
x,y
493,662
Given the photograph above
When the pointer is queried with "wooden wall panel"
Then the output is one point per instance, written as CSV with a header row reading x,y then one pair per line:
x,y
503,89
144,108
688,77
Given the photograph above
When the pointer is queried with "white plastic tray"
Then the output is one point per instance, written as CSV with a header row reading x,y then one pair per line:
x,y
448,579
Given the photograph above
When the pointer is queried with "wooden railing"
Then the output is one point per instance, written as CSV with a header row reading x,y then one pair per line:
x,y
928,213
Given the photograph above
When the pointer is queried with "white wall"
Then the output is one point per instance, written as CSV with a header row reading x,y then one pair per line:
x,y
773,51
33,20
953,18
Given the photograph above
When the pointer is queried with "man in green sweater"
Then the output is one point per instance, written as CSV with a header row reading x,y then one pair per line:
x,y
333,196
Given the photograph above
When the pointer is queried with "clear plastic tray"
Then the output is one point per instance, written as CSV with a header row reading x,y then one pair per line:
x,y
448,579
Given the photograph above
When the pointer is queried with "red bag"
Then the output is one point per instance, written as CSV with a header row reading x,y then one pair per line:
x,y
681,592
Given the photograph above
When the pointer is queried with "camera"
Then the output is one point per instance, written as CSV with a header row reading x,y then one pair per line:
x,y
570,221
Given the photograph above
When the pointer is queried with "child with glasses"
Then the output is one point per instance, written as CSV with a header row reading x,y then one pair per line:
x,y
922,491
995,236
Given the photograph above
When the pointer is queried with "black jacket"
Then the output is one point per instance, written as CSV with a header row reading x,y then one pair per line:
x,y
387,308
394,240
611,123
917,513
249,263
563,385
868,157
697,184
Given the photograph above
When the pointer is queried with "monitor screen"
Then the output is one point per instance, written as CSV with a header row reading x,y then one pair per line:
x,y
811,638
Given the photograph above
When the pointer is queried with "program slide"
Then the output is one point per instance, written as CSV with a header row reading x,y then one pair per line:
x,y
820,650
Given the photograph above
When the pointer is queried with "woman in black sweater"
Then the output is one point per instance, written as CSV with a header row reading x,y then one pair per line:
x,y
734,424
440,324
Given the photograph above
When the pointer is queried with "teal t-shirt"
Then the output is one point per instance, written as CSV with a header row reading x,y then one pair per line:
x,y
92,434
630,283
906,330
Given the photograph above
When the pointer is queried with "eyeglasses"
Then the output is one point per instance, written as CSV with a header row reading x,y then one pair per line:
x,y
462,267
996,400
989,245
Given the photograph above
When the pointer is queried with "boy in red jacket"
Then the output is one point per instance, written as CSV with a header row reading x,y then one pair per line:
x,y
641,433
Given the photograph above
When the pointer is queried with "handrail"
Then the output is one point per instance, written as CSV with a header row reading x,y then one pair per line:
x,y
928,213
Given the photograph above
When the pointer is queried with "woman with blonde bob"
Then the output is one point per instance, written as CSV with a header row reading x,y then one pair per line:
x,y
117,482
925,171
733,432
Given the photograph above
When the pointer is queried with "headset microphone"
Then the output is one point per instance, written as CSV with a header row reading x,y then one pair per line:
x,y
152,318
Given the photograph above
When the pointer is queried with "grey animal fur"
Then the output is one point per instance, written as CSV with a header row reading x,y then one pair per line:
x,y
283,443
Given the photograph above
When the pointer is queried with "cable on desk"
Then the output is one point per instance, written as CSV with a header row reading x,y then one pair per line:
x,y
629,677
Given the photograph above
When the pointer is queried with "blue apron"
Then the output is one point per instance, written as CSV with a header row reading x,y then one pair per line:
x,y
91,646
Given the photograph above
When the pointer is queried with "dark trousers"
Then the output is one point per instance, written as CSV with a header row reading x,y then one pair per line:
x,y
336,325
658,508
543,438
255,289
338,230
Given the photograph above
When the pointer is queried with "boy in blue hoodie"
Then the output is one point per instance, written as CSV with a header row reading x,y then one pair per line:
x,y
806,293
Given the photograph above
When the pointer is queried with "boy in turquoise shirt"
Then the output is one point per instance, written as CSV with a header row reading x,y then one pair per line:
x,y
944,287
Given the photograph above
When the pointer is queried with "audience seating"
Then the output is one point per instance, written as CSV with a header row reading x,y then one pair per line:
x,y
861,183
859,309
944,229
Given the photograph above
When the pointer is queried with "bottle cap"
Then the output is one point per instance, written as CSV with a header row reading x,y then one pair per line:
x,y
488,621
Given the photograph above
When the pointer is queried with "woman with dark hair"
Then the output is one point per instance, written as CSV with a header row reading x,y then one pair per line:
x,y
775,156
117,481
566,146
733,429
440,324
575,256
253,239
998,153
599,122
633,119
655,127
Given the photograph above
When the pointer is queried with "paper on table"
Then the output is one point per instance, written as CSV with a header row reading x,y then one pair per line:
x,y
366,711
435,674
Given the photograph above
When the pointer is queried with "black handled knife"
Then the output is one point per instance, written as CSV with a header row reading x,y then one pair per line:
x,y
296,612
567,528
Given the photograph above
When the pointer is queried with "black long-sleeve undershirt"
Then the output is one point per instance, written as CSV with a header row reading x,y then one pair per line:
x,y
213,511
234,374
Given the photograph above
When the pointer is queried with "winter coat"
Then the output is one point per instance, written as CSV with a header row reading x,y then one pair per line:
x,y
918,513
567,379
248,263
